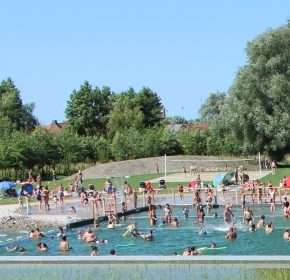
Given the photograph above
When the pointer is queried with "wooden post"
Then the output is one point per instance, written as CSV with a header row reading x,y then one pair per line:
x,y
144,201
173,196
104,206
115,208
135,198
27,207
94,216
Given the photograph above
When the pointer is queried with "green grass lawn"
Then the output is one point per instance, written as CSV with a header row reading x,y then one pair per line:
x,y
134,181
280,173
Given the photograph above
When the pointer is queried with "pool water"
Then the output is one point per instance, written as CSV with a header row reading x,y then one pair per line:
x,y
168,240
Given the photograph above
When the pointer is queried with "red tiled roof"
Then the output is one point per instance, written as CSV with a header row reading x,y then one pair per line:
x,y
54,127
196,126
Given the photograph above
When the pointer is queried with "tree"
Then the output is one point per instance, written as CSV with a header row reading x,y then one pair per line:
x,y
88,109
212,106
126,113
151,107
174,120
11,106
257,110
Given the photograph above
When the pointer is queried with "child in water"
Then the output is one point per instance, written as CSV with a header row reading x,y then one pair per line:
x,y
185,212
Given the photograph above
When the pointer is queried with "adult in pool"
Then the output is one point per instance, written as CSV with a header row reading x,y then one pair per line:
x,y
286,234
41,247
64,245
261,222
232,234
167,213
149,236
89,236
175,223
248,216
228,214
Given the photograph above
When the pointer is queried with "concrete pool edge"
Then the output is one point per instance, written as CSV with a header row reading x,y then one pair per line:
x,y
210,260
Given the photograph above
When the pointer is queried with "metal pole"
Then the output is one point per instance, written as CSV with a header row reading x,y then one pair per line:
x,y
260,167
165,166
27,207
115,208
173,196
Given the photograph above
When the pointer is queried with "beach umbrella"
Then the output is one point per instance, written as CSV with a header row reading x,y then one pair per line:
x,y
218,179
26,187
6,185
227,179
192,185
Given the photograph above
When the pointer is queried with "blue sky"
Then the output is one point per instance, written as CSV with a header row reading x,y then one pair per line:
x,y
182,50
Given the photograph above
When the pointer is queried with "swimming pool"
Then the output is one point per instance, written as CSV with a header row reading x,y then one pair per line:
x,y
168,240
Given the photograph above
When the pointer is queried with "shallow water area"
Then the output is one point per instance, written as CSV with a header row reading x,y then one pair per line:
x,y
167,240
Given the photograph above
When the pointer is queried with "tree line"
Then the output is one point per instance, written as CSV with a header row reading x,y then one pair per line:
x,y
253,116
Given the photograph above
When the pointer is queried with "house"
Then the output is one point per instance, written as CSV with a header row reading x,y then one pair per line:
x,y
197,126
176,127
55,126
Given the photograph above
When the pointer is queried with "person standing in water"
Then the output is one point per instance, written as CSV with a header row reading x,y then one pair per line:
x,y
228,214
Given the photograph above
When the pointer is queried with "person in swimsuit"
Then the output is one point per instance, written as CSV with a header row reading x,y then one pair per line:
x,y
248,216
167,213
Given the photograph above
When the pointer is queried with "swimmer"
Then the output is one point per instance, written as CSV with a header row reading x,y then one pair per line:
x,y
113,252
136,233
72,210
261,222
95,251
167,213
213,245
60,232
187,252
36,233
110,225
248,216
175,223
131,227
64,245
253,228
194,251
79,233
228,214
231,234
89,236
148,237
286,234
41,247
185,212
15,247
202,232
269,228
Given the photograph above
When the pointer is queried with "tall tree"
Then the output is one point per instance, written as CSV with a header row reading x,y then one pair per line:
x,y
151,107
212,106
126,113
12,108
258,108
88,109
